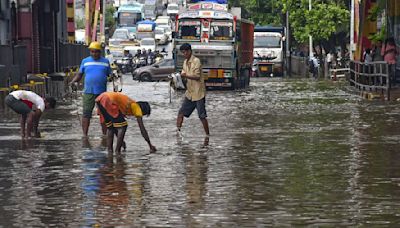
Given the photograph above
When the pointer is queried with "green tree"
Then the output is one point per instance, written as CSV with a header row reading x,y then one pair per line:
x,y
110,20
80,23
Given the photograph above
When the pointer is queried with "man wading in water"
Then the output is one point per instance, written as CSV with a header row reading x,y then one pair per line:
x,y
113,107
30,106
195,96
96,69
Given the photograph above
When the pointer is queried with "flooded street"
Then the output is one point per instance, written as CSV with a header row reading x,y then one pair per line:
x,y
286,152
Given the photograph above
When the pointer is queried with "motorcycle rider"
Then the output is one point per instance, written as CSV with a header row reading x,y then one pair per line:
x,y
138,53
164,52
127,54
151,57
144,55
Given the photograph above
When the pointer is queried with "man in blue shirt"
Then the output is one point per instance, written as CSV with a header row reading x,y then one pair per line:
x,y
96,69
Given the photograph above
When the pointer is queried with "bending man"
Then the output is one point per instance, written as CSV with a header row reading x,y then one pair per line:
x,y
30,106
113,107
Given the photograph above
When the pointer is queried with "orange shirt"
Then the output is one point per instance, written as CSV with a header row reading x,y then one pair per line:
x,y
115,102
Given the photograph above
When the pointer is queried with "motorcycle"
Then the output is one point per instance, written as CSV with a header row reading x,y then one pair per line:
x,y
126,65
150,59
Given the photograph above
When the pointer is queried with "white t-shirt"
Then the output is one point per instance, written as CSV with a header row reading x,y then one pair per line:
x,y
29,96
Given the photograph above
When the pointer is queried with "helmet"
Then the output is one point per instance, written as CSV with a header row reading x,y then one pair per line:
x,y
95,45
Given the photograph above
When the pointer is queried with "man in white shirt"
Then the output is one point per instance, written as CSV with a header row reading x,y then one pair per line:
x,y
30,106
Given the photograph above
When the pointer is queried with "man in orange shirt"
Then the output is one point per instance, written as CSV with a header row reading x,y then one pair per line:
x,y
113,107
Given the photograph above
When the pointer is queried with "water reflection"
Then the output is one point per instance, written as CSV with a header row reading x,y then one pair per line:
x,y
286,153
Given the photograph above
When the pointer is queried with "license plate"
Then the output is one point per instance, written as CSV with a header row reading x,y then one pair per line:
x,y
264,68
218,84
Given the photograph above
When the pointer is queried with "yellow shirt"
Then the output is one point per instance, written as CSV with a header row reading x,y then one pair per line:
x,y
196,90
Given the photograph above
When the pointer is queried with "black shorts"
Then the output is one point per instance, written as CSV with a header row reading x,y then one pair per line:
x,y
110,121
188,107
17,105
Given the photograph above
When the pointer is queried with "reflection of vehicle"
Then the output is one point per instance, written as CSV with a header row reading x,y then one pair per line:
x,y
128,15
145,29
160,35
268,50
222,41
172,9
148,43
156,72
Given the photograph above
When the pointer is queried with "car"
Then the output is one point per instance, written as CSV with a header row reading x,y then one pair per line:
x,y
120,35
172,9
148,43
160,35
168,31
155,72
163,20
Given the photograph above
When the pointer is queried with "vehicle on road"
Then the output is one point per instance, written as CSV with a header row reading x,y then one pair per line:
x,y
163,20
148,43
120,35
128,15
221,39
150,9
161,35
168,31
145,29
172,9
268,51
155,72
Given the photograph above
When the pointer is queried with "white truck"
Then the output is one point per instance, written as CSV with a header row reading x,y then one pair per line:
x,y
268,51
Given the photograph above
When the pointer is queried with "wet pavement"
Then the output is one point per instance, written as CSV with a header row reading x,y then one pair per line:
x,y
285,153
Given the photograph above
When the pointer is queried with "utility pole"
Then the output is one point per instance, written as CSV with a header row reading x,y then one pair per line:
x,y
311,39
352,30
287,40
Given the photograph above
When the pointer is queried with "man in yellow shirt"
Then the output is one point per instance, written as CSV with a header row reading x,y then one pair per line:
x,y
113,107
195,97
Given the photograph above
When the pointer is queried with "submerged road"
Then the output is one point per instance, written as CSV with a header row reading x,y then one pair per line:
x,y
286,152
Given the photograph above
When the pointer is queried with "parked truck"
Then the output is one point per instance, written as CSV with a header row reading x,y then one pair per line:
x,y
221,39
268,51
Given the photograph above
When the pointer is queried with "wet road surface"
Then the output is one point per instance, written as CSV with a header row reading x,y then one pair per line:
x,y
287,152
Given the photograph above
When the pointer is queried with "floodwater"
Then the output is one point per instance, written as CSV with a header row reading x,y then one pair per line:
x,y
285,153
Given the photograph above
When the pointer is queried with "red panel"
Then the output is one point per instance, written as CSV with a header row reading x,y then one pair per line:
x,y
25,25
247,43
70,27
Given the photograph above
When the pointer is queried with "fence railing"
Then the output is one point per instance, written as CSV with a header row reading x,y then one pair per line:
x,y
371,77
71,55
13,64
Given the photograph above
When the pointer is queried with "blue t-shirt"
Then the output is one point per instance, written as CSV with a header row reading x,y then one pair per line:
x,y
96,72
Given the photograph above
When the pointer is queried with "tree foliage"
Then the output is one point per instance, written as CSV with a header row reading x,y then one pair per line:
x,y
110,20
326,19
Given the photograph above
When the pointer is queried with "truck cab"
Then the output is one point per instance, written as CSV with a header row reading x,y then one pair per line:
x,y
223,43
268,51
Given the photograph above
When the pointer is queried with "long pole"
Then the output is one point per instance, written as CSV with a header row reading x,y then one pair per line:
x,y
352,30
288,56
311,39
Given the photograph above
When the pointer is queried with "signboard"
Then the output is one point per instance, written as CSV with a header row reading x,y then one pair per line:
x,y
208,6
145,28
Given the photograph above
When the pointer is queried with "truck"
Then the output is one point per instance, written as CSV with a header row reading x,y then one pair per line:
x,y
145,29
128,15
221,39
268,51
150,9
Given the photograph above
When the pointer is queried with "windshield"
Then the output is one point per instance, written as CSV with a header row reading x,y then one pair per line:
x,y
129,19
120,35
173,8
159,31
189,30
221,31
267,41
147,42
